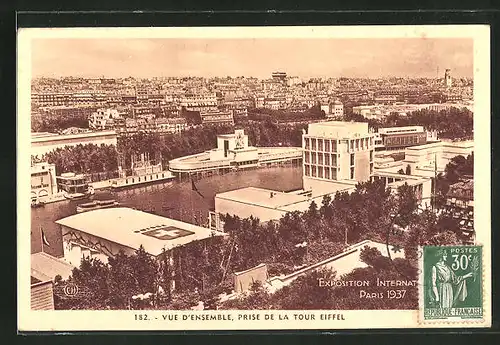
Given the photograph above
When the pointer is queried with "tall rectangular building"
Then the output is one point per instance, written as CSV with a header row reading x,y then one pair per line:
x,y
447,78
337,151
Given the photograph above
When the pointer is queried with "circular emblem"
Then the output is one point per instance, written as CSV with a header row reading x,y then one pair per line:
x,y
70,290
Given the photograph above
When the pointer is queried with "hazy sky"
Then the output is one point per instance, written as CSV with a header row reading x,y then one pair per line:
x,y
413,57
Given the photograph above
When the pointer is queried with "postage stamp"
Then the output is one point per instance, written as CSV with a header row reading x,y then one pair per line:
x,y
452,283
253,178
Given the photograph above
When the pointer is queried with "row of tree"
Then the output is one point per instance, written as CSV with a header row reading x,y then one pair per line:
x,y
452,123
305,293
88,158
55,124
266,114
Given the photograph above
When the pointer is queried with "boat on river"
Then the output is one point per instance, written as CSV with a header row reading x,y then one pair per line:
x,y
96,205
74,187
141,180
35,203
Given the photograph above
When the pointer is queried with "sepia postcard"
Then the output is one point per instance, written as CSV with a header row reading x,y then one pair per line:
x,y
257,178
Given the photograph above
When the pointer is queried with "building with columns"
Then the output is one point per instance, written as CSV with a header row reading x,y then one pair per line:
x,y
336,151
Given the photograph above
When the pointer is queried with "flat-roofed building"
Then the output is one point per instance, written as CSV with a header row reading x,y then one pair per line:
x,y
425,158
104,233
421,186
42,143
234,152
337,109
336,151
266,204
260,203
397,138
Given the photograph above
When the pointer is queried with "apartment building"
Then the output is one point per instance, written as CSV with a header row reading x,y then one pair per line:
x,y
217,118
105,119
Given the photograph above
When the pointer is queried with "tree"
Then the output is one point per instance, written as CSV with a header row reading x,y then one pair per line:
x,y
325,210
408,170
305,293
112,285
372,257
444,238
407,205
257,298
91,276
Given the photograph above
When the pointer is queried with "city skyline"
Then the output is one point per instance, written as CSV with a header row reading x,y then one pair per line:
x,y
147,58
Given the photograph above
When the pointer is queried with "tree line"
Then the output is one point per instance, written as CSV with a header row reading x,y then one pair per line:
x,y
451,123
266,114
88,158
306,293
91,158
54,124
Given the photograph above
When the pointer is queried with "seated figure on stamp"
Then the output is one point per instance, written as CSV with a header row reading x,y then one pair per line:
x,y
447,287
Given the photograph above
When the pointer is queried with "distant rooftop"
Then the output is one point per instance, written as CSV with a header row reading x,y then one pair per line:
x,y
133,228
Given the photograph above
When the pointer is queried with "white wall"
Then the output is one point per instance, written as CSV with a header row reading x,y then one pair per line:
x,y
244,210
73,254
40,147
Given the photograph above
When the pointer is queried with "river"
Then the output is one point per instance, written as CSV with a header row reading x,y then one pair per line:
x,y
174,199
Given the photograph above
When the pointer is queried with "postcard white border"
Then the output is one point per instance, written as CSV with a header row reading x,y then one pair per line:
x,y
29,320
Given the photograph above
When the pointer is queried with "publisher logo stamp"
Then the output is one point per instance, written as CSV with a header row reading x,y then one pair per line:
x,y
70,290
452,283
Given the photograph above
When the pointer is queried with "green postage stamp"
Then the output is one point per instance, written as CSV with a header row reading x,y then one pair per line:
x,y
452,283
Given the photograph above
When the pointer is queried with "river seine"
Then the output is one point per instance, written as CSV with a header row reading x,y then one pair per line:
x,y
174,199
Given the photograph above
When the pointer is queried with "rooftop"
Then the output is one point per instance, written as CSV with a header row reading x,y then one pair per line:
x,y
38,277
133,228
50,266
442,145
262,197
338,129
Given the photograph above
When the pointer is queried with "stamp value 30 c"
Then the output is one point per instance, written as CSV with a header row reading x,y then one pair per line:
x,y
452,283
